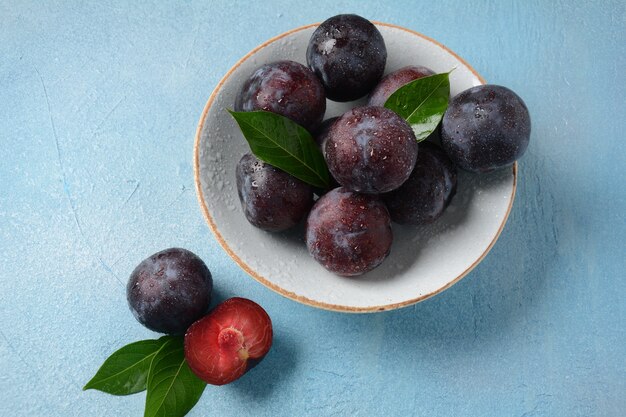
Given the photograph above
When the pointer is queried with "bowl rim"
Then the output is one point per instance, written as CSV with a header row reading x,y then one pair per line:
x,y
289,294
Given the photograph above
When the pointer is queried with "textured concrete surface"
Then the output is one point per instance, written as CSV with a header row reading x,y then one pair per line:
x,y
98,108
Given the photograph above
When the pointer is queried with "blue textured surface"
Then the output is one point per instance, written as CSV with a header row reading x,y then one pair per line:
x,y
98,108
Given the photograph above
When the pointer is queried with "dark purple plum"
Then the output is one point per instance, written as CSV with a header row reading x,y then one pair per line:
x,y
271,199
370,150
349,233
425,195
169,290
287,88
348,55
485,128
392,81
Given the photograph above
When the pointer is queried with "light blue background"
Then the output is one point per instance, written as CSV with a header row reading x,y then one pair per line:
x,y
99,103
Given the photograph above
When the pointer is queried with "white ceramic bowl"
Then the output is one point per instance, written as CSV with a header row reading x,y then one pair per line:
x,y
423,261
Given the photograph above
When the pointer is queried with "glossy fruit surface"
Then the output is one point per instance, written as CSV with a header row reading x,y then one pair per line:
x,y
229,341
425,195
348,54
392,81
287,88
370,150
485,128
349,233
271,199
169,290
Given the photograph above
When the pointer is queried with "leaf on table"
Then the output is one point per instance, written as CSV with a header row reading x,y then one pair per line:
x,y
284,144
126,370
173,389
422,103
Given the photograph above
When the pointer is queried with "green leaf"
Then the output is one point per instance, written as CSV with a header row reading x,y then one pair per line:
x,y
422,103
126,370
173,389
283,143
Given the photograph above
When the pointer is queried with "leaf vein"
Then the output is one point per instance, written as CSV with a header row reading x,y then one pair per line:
x,y
425,99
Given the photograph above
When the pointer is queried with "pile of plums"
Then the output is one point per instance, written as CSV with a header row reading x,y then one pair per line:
x,y
379,171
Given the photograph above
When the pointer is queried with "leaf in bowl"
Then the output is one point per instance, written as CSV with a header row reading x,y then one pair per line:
x,y
283,143
422,103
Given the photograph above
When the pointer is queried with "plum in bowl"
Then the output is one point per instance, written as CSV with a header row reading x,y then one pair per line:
x,y
423,260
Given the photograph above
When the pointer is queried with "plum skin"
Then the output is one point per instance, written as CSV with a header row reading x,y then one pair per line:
x,y
394,80
169,290
349,233
271,199
370,150
423,197
486,127
287,88
348,54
